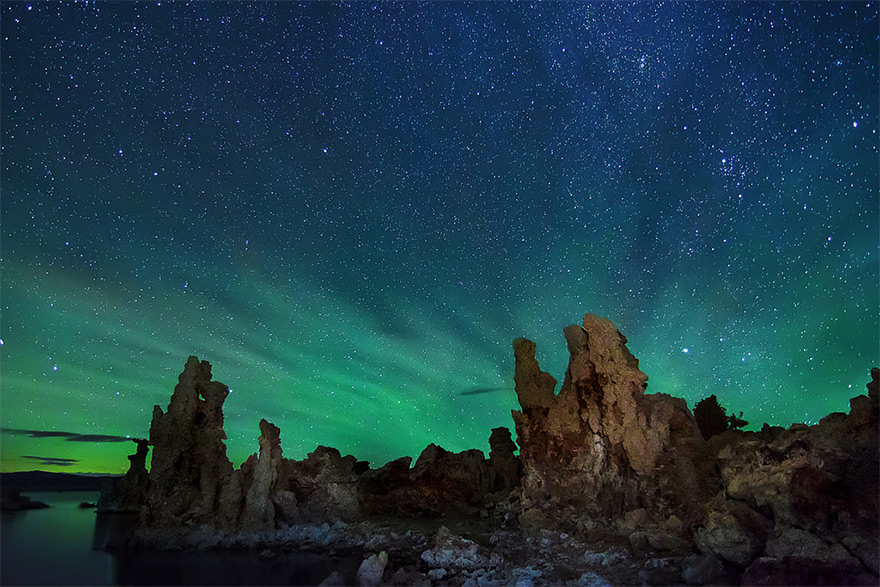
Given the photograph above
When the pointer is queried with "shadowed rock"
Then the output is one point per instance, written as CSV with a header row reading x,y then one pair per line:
x,y
323,487
259,511
128,493
189,466
11,500
819,486
442,481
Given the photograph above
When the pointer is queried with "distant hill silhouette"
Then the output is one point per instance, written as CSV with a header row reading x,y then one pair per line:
x,y
45,481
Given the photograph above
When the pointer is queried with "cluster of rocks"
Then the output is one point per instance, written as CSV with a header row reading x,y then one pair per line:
x,y
11,500
193,484
600,463
795,506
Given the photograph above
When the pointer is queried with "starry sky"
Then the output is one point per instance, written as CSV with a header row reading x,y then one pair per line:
x,y
351,210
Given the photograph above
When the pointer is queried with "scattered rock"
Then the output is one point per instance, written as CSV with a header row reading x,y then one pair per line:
x,y
610,557
600,460
11,500
701,569
590,579
788,542
454,552
371,570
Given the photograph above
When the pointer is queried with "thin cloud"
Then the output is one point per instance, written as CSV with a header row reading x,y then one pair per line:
x,y
68,436
480,390
52,461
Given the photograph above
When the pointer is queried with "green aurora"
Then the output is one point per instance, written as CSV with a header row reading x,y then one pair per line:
x,y
352,211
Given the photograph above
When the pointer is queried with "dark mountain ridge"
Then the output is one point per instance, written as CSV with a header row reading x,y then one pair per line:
x,y
47,481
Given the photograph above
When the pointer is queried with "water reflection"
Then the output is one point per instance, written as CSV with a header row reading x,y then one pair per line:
x,y
63,545
230,568
53,546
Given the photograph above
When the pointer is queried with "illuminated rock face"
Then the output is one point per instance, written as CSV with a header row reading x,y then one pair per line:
x,y
775,506
601,447
259,511
600,456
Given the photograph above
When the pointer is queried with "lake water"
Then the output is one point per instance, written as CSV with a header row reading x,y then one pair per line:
x,y
54,546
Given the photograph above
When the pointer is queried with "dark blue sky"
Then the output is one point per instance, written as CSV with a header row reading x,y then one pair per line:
x,y
352,209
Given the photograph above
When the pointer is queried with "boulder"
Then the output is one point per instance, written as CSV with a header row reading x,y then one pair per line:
x,y
324,486
723,535
453,552
820,484
371,570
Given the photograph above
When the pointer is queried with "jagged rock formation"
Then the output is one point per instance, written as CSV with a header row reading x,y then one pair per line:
x,y
189,467
599,459
323,487
773,506
262,473
128,494
443,481
805,500
601,448
192,483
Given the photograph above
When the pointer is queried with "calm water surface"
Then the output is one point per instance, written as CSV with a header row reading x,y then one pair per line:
x,y
54,547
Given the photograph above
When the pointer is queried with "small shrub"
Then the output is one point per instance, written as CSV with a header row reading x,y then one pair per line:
x,y
712,418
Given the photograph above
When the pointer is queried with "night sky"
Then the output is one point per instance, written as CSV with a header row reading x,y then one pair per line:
x,y
352,210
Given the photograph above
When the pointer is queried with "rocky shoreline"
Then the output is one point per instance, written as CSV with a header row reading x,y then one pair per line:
x,y
610,486
11,500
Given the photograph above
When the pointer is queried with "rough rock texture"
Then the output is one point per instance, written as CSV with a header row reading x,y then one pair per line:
x,y
189,466
600,460
601,446
370,572
259,511
129,492
808,493
603,454
442,481
451,551
323,487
